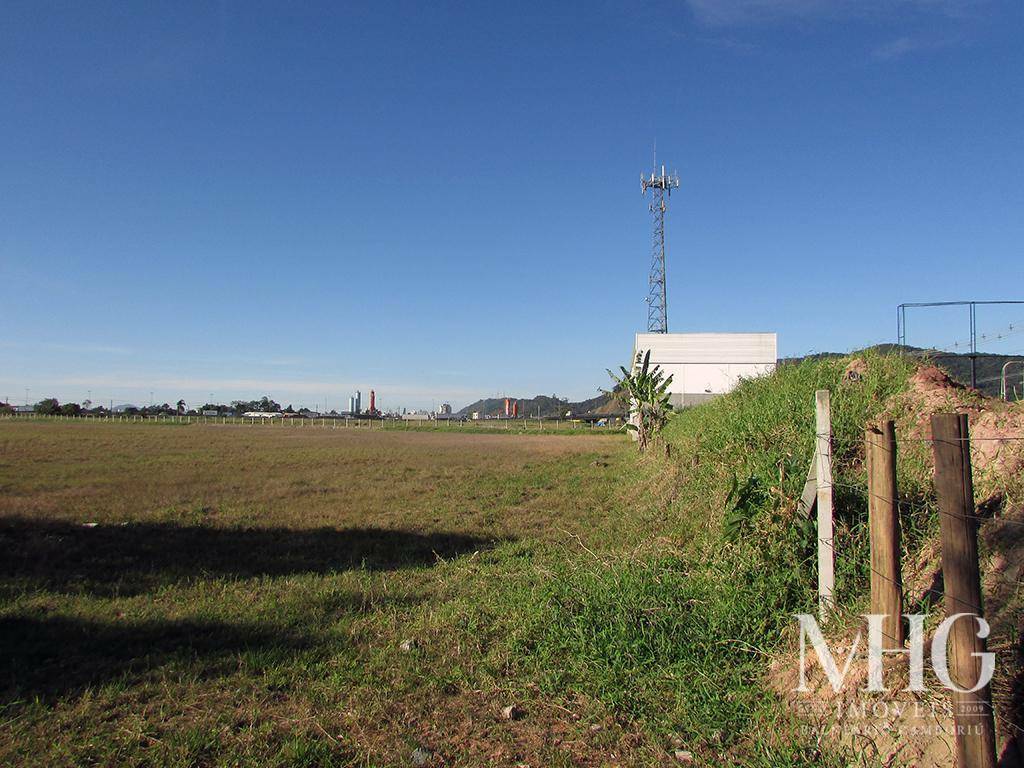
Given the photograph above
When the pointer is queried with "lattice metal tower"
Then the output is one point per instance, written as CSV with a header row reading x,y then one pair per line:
x,y
661,187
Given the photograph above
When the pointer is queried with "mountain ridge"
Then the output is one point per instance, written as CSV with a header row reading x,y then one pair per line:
x,y
548,405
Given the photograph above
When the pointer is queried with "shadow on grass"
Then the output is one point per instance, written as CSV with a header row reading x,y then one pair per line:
x,y
55,656
135,558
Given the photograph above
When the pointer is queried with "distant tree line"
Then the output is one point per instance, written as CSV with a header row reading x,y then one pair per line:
x,y
51,406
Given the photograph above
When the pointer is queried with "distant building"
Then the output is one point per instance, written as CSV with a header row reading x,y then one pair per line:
x,y
414,416
445,409
703,365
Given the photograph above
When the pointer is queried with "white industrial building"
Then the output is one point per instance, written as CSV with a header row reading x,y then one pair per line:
x,y
703,365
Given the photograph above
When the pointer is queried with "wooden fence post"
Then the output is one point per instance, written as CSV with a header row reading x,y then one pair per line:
x,y
823,471
954,488
884,524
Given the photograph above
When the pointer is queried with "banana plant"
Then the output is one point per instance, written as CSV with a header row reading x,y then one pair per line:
x,y
644,391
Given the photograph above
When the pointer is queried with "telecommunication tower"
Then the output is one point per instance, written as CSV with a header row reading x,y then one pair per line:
x,y
661,187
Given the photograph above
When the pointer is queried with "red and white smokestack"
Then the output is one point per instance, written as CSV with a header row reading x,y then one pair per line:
x,y
515,409
373,401
507,412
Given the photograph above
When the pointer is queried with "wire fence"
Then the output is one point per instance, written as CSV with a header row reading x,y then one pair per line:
x,y
911,507
527,424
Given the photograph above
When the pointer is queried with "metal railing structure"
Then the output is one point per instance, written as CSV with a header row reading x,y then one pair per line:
x,y
901,325
527,424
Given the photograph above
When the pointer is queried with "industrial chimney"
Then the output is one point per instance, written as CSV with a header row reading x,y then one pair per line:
x,y
373,401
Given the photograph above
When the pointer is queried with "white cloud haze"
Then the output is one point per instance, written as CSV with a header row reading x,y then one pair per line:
x,y
726,13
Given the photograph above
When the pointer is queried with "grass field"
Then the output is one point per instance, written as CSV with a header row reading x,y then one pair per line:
x,y
210,595
216,595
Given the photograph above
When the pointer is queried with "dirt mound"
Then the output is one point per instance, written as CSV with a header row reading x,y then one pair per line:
x,y
932,391
932,377
996,428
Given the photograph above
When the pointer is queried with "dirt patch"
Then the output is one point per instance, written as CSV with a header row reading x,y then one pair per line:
x,y
997,440
896,727
470,728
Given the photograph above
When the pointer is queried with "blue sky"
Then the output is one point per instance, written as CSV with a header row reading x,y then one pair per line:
x,y
441,200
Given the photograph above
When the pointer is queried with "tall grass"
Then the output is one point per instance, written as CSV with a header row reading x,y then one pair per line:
x,y
678,639
762,436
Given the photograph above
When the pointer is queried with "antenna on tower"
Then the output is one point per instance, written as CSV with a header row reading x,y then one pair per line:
x,y
661,186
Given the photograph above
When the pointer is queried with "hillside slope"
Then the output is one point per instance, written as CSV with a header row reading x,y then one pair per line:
x,y
680,634
675,634
542,405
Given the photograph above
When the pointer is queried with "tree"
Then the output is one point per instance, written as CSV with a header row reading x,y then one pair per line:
x,y
263,405
48,406
644,391
71,409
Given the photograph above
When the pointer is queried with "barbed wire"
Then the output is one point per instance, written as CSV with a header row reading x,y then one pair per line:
x,y
864,489
929,440
972,517
1011,329
885,577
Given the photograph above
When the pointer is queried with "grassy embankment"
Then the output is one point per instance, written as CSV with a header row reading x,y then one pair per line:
x,y
676,634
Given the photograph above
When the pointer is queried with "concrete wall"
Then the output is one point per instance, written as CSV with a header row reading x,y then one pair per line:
x,y
703,365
